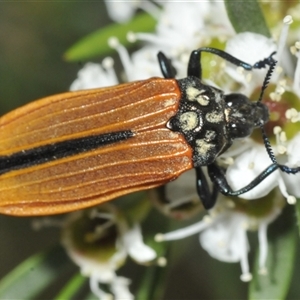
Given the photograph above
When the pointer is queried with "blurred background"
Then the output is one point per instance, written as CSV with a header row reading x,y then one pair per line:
x,y
33,38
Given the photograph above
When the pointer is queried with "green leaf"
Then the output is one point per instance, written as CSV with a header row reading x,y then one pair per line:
x,y
247,16
153,280
298,214
28,279
282,243
91,296
72,287
152,285
96,43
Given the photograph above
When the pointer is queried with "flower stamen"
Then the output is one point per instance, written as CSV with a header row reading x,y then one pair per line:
x,y
146,37
162,261
293,115
287,21
296,84
184,232
246,275
108,65
291,200
281,140
114,43
263,247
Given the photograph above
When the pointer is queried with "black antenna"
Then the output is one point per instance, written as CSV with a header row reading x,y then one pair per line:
x,y
272,63
268,145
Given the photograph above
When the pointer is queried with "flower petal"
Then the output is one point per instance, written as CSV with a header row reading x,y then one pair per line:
x,y
97,291
249,47
94,76
121,11
135,246
292,180
247,167
225,239
119,287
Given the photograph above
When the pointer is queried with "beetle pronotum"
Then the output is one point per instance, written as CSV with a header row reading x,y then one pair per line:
x,y
79,149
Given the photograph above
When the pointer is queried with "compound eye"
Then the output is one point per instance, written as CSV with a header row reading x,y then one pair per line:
x,y
240,130
236,101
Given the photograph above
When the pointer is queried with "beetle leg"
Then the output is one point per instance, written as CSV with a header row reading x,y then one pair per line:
x,y
194,66
217,176
265,62
166,66
207,197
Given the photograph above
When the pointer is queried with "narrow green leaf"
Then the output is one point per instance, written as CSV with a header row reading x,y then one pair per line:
x,y
96,43
247,16
280,263
152,285
298,214
28,279
91,296
72,287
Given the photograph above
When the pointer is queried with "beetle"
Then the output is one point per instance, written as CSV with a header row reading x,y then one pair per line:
x,y
78,149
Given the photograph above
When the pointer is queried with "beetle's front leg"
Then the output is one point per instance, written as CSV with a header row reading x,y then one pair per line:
x,y
207,197
166,66
217,176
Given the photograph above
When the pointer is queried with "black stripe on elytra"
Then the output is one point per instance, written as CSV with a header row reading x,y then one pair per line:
x,y
50,152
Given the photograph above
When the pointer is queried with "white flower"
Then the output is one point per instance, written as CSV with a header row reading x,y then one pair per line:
x,y
91,243
171,37
177,38
296,85
94,76
251,163
223,233
135,247
143,64
173,33
195,26
182,198
251,48
289,183
123,10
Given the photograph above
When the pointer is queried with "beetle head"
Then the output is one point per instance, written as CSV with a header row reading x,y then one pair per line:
x,y
242,115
